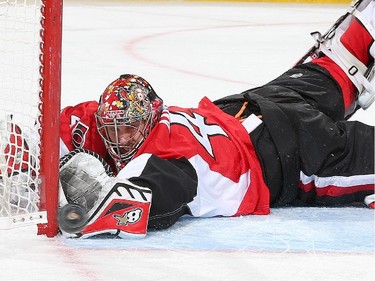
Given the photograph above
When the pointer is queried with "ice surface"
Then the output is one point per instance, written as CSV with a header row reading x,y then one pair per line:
x,y
186,51
297,230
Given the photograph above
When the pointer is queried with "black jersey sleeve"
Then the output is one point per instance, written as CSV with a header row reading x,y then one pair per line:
x,y
173,183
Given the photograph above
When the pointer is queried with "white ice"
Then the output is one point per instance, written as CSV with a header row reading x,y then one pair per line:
x,y
186,51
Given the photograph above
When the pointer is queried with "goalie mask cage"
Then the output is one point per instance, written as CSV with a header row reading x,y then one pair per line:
x,y
30,83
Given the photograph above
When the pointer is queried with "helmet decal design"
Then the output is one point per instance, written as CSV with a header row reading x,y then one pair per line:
x,y
125,99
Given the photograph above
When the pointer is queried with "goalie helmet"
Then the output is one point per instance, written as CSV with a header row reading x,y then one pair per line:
x,y
128,110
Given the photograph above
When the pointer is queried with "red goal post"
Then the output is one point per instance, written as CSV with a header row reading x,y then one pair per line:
x,y
30,87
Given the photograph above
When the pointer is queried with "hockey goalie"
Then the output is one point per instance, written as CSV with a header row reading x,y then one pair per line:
x,y
132,164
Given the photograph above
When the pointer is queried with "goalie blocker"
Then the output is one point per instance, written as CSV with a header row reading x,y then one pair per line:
x,y
93,202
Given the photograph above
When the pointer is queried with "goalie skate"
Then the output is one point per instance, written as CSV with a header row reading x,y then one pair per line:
x,y
370,201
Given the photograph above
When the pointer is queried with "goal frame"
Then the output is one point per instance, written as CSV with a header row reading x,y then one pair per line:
x,y
50,94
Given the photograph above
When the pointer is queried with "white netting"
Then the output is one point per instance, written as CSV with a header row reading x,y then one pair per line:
x,y
19,111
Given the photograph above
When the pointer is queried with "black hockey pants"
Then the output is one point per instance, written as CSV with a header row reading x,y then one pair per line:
x,y
304,130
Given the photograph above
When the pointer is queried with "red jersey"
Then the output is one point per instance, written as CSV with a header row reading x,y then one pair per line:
x,y
218,147
78,129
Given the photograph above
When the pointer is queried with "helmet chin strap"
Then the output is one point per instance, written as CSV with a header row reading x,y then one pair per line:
x,y
121,159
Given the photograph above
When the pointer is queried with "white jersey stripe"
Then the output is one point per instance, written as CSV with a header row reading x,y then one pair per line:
x,y
216,194
339,181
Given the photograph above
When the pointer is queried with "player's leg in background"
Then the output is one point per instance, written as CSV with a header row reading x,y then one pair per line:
x,y
354,180
350,54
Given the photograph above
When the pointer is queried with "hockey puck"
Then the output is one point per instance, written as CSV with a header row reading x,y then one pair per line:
x,y
72,218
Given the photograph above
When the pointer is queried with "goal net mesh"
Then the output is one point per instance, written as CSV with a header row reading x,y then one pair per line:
x,y
20,112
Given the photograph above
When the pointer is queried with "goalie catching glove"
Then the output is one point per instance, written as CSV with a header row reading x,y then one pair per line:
x,y
94,202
